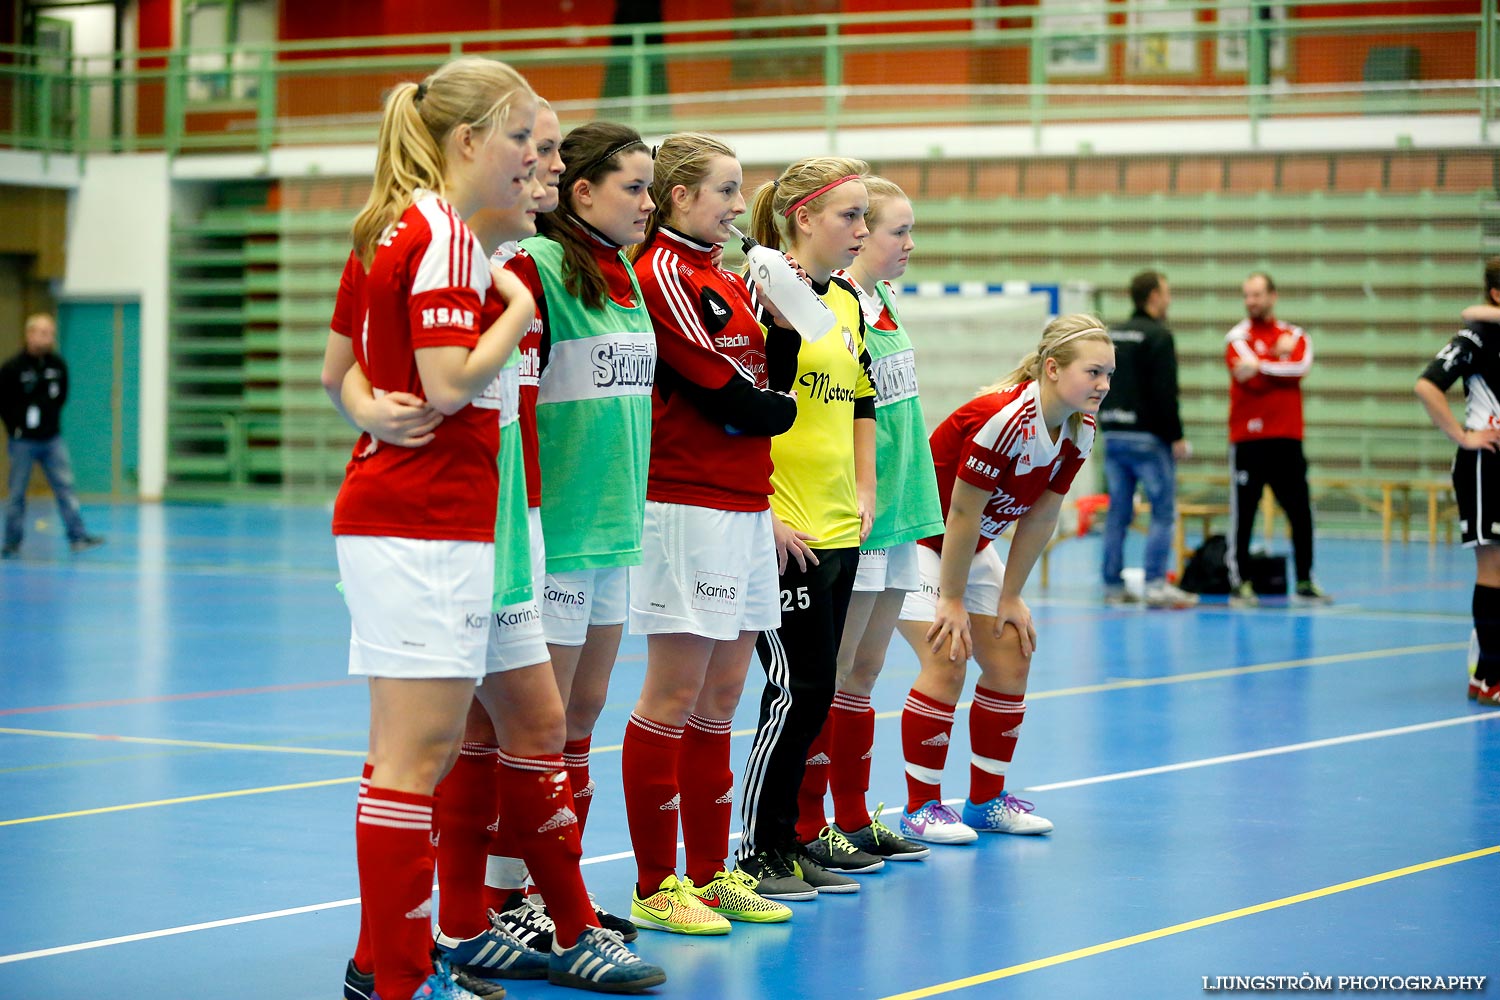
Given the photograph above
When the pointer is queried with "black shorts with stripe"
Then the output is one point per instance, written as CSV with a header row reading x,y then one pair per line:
x,y
1476,485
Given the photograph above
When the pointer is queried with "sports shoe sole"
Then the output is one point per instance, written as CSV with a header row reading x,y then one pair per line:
x,y
948,839
833,866
580,983
494,974
792,896
696,930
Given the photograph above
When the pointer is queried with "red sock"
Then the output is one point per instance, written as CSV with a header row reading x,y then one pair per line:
x,y
853,722
465,807
648,766
994,725
364,952
576,760
539,803
707,787
504,871
393,836
810,816
925,726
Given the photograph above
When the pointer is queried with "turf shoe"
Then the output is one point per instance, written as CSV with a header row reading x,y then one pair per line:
x,y
820,878
733,895
1005,814
833,851
936,823
1488,695
607,920
494,953
775,876
358,985
1308,592
441,985
881,841
599,961
675,908
527,922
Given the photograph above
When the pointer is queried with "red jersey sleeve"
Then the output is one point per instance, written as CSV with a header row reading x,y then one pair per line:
x,y
450,278
983,458
348,309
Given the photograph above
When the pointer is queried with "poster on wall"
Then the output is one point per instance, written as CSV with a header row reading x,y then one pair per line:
x,y
1232,48
1076,44
1155,49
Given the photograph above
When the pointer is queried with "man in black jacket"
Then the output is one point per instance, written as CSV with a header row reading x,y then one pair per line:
x,y
33,389
1143,442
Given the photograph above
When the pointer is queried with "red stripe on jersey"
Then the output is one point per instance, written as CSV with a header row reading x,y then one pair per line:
x,y
664,267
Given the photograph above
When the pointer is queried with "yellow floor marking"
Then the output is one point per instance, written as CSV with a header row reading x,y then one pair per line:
x,y
197,744
1191,925
186,798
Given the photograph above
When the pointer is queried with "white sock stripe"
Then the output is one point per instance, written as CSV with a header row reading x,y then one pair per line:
x,y
575,760
395,824
670,732
477,749
919,708
530,763
926,775
996,705
989,765
396,814
408,808
851,702
714,727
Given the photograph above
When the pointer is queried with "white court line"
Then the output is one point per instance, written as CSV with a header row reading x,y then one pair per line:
x,y
622,855
1268,752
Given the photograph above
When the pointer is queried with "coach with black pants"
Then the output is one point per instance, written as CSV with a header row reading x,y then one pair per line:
x,y
1267,361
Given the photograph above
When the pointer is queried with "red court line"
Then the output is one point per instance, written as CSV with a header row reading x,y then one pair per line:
x,y
192,696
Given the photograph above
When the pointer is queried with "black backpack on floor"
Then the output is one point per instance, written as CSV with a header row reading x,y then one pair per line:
x,y
1207,570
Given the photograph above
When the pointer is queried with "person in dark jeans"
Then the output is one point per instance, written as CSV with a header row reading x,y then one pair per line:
x,y
1143,442
33,389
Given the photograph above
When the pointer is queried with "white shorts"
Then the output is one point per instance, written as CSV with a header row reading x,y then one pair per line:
x,y
894,568
705,572
418,608
573,601
516,636
981,593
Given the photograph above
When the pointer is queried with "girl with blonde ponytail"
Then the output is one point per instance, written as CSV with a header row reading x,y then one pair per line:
x,y
1008,456
429,316
823,505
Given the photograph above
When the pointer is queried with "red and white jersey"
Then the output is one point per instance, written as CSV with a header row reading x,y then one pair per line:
x,y
999,442
349,307
427,287
706,335
1268,405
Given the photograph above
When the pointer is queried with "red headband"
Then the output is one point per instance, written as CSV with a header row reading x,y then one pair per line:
x,y
822,190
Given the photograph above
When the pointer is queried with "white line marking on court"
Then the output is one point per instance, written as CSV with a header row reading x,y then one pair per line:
x,y
1334,741
622,855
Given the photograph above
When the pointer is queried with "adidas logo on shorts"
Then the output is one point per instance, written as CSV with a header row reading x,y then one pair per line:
x,y
673,805
821,758
423,912
940,740
560,819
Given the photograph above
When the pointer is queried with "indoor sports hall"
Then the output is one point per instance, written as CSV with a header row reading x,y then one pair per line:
x,y
1288,796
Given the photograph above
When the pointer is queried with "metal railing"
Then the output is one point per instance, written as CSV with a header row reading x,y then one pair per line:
x,y
1031,66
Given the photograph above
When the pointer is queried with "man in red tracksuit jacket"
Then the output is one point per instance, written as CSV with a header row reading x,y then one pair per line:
x,y
1267,360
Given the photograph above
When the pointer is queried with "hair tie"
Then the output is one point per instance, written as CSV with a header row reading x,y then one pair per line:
x,y
653,151
776,184
421,92
1072,336
820,191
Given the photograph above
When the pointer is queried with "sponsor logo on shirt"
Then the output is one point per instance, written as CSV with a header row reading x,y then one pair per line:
x,y
738,340
822,388
715,593
895,377
987,469
623,364
439,317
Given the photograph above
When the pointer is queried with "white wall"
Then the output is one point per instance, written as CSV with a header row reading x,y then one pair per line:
x,y
94,36
119,224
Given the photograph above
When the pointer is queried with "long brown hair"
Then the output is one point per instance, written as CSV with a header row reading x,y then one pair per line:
x,y
590,152
413,128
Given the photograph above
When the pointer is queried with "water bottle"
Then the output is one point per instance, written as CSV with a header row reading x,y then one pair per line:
x,y
778,282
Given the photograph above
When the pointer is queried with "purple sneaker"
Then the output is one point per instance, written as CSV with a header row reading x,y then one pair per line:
x,y
935,823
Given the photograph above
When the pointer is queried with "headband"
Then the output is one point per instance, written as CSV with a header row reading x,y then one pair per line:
x,y
1073,336
822,190
615,152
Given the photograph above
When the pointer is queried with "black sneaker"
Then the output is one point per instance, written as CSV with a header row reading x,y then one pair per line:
x,y
832,850
818,877
883,842
529,924
776,876
1308,592
624,928
358,985
10,552
486,989
86,542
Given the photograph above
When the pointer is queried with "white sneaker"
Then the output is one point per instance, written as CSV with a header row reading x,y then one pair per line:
x,y
936,824
1005,814
1161,594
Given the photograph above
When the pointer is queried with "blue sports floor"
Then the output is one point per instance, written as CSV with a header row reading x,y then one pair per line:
x,y
1237,793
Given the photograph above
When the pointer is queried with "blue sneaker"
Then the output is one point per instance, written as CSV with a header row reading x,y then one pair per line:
x,y
936,823
601,962
441,985
1005,814
493,954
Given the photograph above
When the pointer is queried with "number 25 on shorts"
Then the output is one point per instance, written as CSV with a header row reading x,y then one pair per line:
x,y
801,599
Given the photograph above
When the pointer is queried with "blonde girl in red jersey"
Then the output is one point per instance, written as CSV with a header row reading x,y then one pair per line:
x,y
707,584
415,527
1007,456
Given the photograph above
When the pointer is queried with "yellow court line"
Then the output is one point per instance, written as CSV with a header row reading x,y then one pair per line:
x,y
186,798
1191,925
198,744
